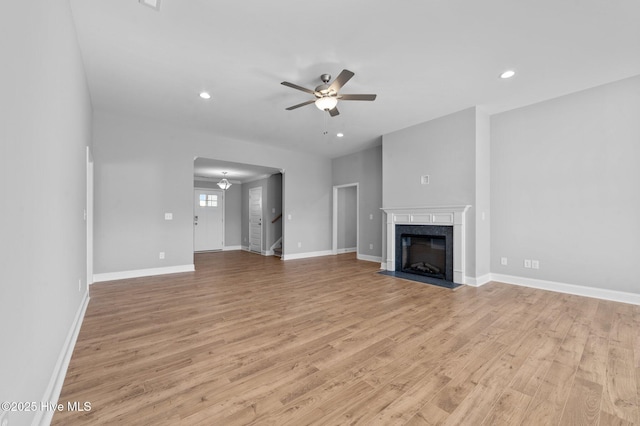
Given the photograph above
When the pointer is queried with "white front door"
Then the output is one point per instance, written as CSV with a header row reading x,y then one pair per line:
x,y
208,225
255,219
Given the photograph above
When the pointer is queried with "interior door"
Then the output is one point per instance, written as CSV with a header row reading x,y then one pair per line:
x,y
208,225
255,219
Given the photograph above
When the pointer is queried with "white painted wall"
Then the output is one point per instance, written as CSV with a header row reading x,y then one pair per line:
x,y
45,126
144,168
564,188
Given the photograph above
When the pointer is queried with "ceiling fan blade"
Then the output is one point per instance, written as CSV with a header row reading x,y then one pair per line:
x,y
333,112
341,80
357,97
300,105
295,86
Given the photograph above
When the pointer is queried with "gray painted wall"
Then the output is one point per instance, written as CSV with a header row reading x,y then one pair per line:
x,y
144,168
444,149
365,168
347,218
45,115
232,210
564,188
482,204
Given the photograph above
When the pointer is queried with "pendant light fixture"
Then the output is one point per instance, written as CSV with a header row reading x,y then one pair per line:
x,y
224,183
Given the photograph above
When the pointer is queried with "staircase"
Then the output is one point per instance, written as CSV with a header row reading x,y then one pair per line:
x,y
277,248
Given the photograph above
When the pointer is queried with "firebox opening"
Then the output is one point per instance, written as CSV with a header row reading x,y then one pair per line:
x,y
424,255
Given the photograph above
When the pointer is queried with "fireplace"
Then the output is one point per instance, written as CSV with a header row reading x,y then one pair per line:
x,y
431,225
425,250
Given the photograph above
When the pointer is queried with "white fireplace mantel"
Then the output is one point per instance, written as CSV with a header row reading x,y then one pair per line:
x,y
434,215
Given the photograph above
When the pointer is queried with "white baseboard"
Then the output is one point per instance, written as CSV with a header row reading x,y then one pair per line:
x,y
111,276
306,255
267,252
479,281
231,248
368,258
597,293
52,392
347,250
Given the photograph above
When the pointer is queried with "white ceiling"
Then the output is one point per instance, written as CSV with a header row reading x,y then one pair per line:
x,y
424,59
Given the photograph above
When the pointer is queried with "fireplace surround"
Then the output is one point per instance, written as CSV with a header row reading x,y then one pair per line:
x,y
430,220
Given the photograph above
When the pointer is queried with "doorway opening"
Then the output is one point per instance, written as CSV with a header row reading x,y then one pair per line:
x,y
238,232
346,218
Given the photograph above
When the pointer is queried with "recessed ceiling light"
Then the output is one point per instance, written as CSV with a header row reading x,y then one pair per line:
x,y
507,74
155,4
340,135
205,95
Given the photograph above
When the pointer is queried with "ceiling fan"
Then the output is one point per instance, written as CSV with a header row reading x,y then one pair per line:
x,y
326,95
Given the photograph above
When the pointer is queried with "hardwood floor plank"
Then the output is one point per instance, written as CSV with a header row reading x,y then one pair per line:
x,y
249,339
583,405
620,394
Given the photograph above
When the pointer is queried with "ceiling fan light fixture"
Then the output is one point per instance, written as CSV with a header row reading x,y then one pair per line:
x,y
224,184
326,103
507,74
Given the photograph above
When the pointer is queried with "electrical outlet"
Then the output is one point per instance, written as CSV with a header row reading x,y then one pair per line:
x,y
161,256
299,244
168,216
424,180
535,264
503,261
371,216
370,246
79,284
527,263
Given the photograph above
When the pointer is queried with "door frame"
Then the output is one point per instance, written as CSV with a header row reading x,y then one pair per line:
x,y
334,246
193,215
88,214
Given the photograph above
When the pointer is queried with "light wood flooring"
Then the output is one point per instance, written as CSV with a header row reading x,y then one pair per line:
x,y
248,339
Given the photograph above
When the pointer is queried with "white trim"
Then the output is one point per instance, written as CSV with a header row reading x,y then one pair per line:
x,y
137,273
346,250
231,248
267,252
370,258
52,392
307,254
334,245
579,290
479,281
89,215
